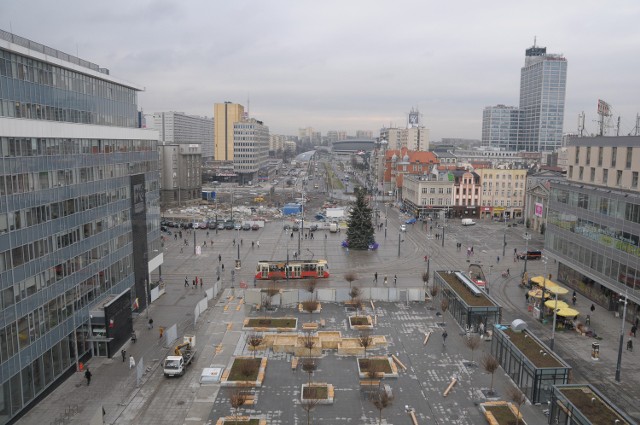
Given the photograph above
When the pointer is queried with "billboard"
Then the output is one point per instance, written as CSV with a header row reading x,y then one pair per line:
x,y
603,108
538,210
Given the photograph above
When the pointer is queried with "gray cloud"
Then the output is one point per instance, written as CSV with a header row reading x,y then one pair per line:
x,y
346,65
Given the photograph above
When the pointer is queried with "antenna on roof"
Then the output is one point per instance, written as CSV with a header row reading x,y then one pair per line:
x,y
534,40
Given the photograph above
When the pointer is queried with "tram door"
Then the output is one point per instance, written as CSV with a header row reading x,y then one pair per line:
x,y
320,271
264,271
296,271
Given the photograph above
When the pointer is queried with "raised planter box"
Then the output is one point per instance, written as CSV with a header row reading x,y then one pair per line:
x,y
231,377
242,420
273,324
388,368
360,323
320,391
501,413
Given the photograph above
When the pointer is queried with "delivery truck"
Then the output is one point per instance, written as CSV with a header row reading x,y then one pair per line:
x,y
183,355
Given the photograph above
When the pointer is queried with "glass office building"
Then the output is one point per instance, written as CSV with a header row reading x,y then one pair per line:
x,y
543,83
79,216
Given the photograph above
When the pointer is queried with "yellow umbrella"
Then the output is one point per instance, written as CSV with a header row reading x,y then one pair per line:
x,y
552,304
537,293
567,312
549,285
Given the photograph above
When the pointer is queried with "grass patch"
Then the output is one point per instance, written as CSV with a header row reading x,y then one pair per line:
x,y
320,392
502,414
464,292
244,369
359,320
597,412
531,349
379,365
267,322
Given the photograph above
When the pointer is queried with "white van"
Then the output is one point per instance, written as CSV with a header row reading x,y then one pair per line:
x,y
333,227
468,222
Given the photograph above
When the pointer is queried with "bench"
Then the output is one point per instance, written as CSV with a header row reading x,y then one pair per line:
x,y
369,382
249,398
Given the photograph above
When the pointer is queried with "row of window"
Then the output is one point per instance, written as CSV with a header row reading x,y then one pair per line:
x,y
516,193
504,176
26,217
435,201
32,146
605,176
502,203
598,203
614,156
612,269
507,185
441,190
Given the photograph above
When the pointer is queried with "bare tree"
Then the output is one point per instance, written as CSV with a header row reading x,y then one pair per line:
x,y
365,341
308,341
311,286
444,305
381,399
514,394
237,400
310,306
433,291
350,277
425,279
308,404
490,365
354,293
248,368
472,342
254,340
309,365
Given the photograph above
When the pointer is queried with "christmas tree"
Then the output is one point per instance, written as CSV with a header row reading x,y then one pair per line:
x,y
360,231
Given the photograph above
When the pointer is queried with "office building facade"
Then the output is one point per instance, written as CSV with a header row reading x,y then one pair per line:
x,y
180,173
593,221
225,115
251,150
500,127
543,83
178,127
79,216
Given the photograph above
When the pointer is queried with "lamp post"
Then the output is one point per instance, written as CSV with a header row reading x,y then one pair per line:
x,y
526,237
386,219
553,330
544,289
504,239
624,316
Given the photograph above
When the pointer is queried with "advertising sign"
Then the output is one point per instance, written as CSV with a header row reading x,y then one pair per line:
x,y
538,212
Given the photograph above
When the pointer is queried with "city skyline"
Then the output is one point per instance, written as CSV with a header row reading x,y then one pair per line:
x,y
355,66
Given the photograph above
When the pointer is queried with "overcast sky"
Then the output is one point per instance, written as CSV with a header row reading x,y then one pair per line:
x,y
347,64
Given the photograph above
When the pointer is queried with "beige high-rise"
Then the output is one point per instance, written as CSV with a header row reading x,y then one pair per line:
x,y
224,116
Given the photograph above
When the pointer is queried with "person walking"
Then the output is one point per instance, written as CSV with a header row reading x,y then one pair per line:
x,y
124,355
201,283
186,281
385,280
375,278
134,337
150,324
497,259
593,307
574,299
630,345
634,329
444,337
132,362
258,244
88,375
395,280
219,258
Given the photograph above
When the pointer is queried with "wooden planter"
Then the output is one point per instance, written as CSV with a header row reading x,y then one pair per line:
x,y
329,390
226,382
360,323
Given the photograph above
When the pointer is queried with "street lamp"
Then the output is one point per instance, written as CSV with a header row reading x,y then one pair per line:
x,y
553,330
399,240
624,316
526,237
504,239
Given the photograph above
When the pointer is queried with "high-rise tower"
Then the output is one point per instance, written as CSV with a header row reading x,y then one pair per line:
x,y
543,83
224,116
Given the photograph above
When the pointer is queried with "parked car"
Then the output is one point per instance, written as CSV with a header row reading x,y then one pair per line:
x,y
530,255
228,225
212,225
237,226
313,227
246,226
295,227
286,227
255,227
403,227
203,225
164,228
220,226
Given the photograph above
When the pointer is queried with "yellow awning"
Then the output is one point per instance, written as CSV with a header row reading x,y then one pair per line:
x,y
567,312
552,304
549,285
537,293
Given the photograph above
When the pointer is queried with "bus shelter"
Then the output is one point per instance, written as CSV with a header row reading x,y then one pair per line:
x,y
532,366
583,404
468,304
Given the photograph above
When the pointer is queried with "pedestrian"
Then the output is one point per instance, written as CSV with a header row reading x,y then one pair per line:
x,y
395,280
150,323
444,337
630,345
193,283
526,297
325,236
201,283
593,307
241,241
223,267
472,249
134,337
234,242
574,299
515,252
161,329
385,280
481,329
497,259
219,258
508,274
375,277
204,244
132,362
291,235
258,244
252,244
88,375
124,355
634,328
207,233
